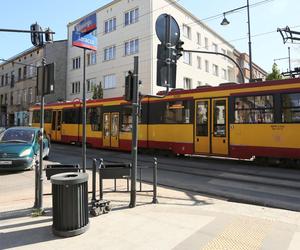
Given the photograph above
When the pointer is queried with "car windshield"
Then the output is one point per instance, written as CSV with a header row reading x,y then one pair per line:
x,y
18,135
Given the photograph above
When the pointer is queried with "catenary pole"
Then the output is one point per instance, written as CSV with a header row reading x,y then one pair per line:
x,y
84,116
134,144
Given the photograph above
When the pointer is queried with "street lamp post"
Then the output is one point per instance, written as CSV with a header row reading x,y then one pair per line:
x,y
226,22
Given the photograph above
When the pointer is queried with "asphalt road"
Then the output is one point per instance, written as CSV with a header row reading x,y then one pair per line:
x,y
223,178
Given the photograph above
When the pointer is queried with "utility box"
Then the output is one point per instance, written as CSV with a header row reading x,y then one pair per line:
x,y
70,203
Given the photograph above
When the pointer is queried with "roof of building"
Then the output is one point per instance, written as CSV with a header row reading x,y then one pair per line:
x,y
172,2
23,53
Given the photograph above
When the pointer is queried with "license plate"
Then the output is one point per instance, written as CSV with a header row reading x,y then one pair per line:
x,y
5,162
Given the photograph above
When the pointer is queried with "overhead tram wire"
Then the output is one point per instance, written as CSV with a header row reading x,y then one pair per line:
x,y
146,39
217,16
202,47
143,15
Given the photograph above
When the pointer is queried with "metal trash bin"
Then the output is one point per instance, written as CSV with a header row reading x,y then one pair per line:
x,y
60,168
70,204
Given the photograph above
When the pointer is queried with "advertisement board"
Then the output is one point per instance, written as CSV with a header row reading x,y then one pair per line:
x,y
87,25
86,41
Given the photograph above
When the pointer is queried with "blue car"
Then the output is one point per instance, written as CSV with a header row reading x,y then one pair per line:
x,y
19,148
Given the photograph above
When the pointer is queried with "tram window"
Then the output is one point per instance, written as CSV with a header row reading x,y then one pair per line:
x,y
47,116
126,120
94,118
290,108
254,109
36,116
70,116
220,118
202,118
177,112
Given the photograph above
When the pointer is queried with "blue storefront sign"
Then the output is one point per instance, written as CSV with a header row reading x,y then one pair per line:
x,y
86,41
87,25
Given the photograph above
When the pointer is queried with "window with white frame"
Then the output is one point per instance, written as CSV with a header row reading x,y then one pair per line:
x,y
75,87
109,53
187,83
187,58
186,30
76,63
224,74
6,79
223,52
30,96
91,58
199,62
206,66
19,97
131,16
25,72
206,42
110,25
198,38
24,96
109,81
215,47
90,83
131,47
31,72
215,70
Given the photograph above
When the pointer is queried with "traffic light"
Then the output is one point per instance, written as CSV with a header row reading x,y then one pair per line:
x,y
48,35
179,49
129,87
36,38
166,66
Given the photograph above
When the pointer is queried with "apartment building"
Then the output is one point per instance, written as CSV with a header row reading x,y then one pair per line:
x,y
18,81
126,28
258,74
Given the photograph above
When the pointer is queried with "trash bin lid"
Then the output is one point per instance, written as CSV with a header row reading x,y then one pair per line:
x,y
69,178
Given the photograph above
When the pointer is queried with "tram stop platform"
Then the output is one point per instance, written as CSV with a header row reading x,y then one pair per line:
x,y
181,220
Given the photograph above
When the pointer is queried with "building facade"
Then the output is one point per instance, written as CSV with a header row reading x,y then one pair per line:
x,y
258,74
18,81
126,28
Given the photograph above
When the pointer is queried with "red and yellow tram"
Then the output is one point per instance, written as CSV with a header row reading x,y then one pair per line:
x,y
259,119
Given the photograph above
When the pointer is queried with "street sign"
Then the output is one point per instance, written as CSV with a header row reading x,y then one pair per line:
x,y
85,41
87,25
167,29
49,79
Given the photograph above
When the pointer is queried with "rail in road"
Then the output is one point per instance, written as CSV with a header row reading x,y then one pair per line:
x,y
233,180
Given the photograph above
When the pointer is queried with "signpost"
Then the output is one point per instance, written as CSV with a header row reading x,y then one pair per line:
x,y
82,38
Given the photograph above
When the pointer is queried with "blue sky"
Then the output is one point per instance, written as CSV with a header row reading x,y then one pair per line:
x,y
267,44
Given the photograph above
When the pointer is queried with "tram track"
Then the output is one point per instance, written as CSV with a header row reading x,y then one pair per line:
x,y
231,180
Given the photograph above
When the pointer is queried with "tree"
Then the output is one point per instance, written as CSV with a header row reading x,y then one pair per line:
x,y
97,91
275,75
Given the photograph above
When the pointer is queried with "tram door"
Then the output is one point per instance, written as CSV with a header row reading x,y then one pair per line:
x,y
202,127
111,130
211,126
219,124
56,125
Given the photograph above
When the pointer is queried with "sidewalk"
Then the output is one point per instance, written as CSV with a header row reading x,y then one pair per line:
x,y
181,220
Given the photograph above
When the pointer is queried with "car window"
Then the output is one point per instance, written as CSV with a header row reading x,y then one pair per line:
x,y
18,135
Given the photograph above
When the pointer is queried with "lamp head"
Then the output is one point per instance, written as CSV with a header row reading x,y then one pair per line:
x,y
225,21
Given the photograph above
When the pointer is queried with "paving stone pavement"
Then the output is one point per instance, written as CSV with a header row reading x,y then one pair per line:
x,y
181,220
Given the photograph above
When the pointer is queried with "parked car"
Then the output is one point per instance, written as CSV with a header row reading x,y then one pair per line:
x,y
19,148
